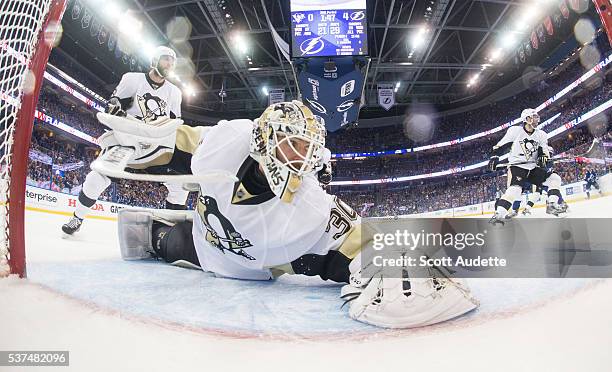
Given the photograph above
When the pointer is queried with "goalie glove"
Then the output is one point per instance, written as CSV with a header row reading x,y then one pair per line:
x,y
114,107
493,161
397,300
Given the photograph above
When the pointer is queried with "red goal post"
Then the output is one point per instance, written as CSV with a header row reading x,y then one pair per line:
x,y
28,29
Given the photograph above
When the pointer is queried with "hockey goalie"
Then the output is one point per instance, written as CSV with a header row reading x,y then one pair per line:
x,y
276,219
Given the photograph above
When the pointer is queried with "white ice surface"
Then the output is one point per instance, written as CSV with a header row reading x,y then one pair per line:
x,y
81,296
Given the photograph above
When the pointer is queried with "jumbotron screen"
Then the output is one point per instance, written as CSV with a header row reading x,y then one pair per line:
x,y
328,28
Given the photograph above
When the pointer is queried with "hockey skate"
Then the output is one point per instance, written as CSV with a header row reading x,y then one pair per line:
x,y
496,218
511,215
526,212
73,225
556,209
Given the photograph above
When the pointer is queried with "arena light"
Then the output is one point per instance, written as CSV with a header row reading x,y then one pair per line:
x,y
264,89
240,42
520,24
189,90
508,40
148,50
418,38
495,54
474,79
397,85
111,9
131,26
531,12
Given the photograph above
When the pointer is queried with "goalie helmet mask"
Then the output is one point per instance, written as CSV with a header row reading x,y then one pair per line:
x,y
159,52
288,142
530,116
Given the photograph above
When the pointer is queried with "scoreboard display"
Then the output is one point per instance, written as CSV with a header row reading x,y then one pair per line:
x,y
328,28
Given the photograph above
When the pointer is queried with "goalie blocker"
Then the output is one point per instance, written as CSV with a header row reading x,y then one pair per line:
x,y
151,146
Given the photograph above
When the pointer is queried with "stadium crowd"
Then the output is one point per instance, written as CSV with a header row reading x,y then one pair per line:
x,y
450,127
70,160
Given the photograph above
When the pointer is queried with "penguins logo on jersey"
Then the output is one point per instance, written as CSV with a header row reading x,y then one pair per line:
x,y
530,147
151,107
230,240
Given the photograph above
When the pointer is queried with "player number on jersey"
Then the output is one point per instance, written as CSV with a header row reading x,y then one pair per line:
x,y
341,217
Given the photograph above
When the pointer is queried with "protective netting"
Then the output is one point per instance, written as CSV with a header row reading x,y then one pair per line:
x,y
21,22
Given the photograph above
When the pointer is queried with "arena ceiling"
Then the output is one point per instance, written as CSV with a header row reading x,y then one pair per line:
x,y
455,41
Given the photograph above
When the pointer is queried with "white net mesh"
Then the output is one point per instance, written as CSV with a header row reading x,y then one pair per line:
x,y
21,22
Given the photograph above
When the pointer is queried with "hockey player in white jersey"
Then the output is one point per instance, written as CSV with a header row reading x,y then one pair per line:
x,y
527,162
146,97
276,219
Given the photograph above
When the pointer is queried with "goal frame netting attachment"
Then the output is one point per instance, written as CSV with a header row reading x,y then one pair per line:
x,y
28,30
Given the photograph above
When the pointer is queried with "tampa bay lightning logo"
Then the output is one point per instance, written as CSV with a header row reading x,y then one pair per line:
x,y
345,106
316,106
358,16
312,46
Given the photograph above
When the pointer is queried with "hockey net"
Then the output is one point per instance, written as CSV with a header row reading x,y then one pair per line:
x,y
28,30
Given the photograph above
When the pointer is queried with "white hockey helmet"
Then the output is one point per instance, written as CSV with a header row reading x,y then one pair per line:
x,y
288,142
532,114
159,52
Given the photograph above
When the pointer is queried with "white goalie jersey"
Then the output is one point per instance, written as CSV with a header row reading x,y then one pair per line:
x,y
524,150
244,236
146,100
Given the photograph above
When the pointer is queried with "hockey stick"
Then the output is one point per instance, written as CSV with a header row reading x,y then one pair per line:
x,y
559,157
113,163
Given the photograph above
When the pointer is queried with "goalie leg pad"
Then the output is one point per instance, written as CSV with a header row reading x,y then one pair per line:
x,y
135,230
176,246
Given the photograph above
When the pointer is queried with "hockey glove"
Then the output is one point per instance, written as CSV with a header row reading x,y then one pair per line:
x,y
493,161
543,161
325,175
114,107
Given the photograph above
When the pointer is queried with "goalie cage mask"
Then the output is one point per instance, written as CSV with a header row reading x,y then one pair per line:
x,y
288,142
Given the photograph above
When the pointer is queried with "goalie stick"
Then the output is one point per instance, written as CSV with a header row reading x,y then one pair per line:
x,y
114,161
